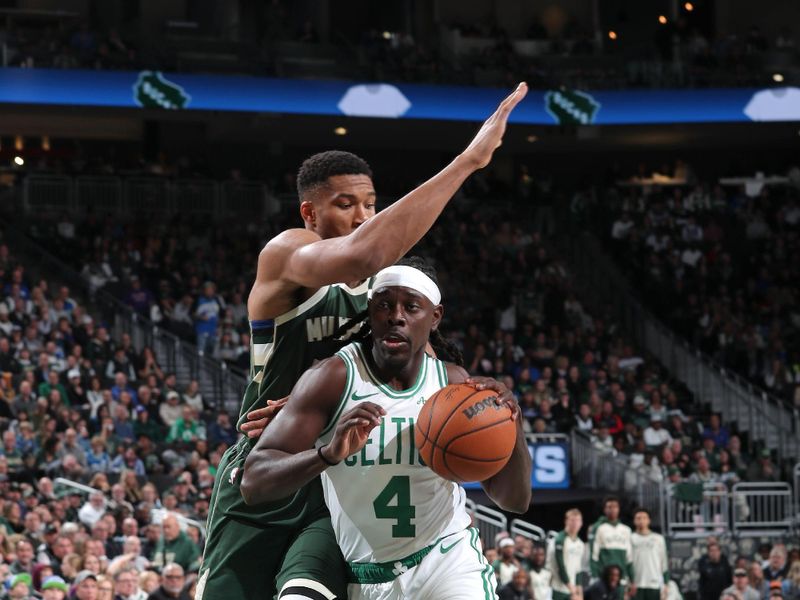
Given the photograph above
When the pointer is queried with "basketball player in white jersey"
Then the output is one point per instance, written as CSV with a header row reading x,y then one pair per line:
x,y
403,530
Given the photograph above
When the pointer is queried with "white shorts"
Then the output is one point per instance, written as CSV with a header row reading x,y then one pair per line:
x,y
454,570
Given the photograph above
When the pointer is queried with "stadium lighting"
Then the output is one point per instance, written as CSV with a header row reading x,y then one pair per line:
x,y
689,7
19,143
18,161
612,35
662,19
532,138
340,131
777,78
387,35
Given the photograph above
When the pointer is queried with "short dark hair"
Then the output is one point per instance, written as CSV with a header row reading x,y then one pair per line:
x,y
639,509
608,499
316,169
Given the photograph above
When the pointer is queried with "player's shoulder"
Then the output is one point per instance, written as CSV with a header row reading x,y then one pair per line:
x,y
455,373
329,373
288,241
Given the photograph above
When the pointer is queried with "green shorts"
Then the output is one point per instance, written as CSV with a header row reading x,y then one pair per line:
x,y
253,551
647,594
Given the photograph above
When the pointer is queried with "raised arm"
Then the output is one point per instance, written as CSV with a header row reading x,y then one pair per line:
x,y
284,459
510,489
389,235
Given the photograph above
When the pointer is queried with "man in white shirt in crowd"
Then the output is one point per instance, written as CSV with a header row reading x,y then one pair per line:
x,y
656,436
95,508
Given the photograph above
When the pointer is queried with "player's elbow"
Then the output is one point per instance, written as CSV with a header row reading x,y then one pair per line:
x,y
518,502
253,486
516,499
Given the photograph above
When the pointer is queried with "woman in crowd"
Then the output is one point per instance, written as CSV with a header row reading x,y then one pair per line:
x,y
133,491
791,585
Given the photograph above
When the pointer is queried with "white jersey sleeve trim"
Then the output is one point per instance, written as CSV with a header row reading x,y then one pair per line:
x,y
302,307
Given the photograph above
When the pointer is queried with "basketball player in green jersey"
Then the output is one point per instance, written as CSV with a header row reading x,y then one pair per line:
x,y
402,528
308,281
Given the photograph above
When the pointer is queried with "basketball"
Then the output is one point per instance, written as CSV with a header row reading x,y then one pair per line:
x,y
463,434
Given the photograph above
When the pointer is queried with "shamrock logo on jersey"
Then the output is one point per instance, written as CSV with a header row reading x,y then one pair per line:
x,y
570,107
153,90
399,568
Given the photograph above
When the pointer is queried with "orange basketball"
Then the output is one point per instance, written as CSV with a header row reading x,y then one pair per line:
x,y
463,435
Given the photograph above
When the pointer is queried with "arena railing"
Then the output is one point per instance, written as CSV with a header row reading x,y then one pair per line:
x,y
528,530
766,418
595,469
749,509
796,474
54,194
489,522
690,517
220,385
157,515
767,507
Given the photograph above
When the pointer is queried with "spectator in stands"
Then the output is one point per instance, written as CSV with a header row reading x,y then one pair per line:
x,y
171,410
20,587
703,474
791,584
506,565
716,431
54,588
741,586
24,562
763,469
175,544
171,588
776,568
607,587
126,582
144,426
610,541
516,589
757,581
93,510
656,436
185,429
221,431
85,586
206,318
715,573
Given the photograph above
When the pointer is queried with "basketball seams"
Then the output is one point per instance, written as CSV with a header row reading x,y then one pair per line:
x,y
440,458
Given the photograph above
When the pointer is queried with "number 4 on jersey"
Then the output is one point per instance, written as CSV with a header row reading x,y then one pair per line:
x,y
402,512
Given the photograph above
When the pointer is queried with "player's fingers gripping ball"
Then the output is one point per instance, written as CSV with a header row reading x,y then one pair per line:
x,y
463,434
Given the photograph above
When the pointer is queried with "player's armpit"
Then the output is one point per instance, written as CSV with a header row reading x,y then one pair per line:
x,y
284,460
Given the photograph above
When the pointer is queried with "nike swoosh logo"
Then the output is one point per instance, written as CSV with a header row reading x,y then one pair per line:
x,y
447,549
355,397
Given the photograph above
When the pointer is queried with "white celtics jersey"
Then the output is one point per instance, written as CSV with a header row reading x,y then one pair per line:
x,y
384,503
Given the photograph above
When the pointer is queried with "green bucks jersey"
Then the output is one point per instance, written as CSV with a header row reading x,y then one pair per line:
x,y
385,504
283,348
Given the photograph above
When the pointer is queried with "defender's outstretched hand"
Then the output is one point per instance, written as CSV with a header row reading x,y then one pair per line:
x,y
490,136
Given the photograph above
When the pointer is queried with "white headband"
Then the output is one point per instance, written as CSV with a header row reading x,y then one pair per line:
x,y
401,275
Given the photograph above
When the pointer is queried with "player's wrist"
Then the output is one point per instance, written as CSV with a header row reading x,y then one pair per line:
x,y
466,163
322,455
